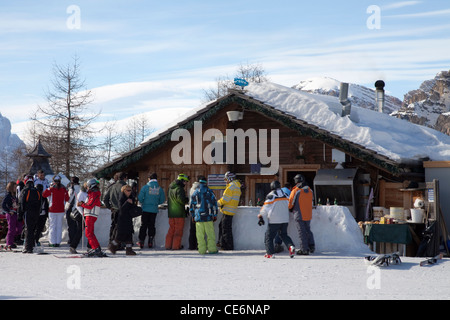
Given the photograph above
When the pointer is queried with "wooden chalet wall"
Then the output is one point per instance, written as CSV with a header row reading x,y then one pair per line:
x,y
315,155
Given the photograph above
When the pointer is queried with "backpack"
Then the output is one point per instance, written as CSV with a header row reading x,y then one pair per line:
x,y
33,197
205,204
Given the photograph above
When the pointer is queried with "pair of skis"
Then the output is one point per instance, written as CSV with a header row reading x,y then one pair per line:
x,y
383,260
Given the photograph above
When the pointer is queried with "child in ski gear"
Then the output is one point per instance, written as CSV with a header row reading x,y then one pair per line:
x,y
203,209
276,210
30,208
228,205
125,222
176,202
300,203
91,212
10,205
59,196
150,197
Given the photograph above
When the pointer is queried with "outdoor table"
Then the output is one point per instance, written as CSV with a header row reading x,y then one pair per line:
x,y
390,233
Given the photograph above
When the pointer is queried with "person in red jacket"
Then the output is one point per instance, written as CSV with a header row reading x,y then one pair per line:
x,y
59,197
91,212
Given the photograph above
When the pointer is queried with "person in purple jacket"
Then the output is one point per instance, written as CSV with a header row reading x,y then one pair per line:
x,y
10,206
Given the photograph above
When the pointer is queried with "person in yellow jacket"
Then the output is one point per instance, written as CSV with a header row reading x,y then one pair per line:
x,y
228,205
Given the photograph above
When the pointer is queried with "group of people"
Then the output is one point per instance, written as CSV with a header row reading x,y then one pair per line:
x,y
200,205
28,208
279,204
29,203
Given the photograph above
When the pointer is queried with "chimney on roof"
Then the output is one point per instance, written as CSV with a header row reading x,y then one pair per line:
x,y
343,99
379,95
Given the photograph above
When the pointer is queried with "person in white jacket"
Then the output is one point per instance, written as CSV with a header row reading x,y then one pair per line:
x,y
276,210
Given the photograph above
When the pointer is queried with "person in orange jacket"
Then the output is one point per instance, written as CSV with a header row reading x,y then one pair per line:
x,y
300,203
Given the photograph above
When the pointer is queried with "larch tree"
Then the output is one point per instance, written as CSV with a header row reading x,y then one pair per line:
x,y
64,123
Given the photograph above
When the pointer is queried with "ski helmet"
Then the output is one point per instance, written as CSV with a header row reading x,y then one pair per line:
x,y
29,179
92,183
183,177
229,176
274,185
299,178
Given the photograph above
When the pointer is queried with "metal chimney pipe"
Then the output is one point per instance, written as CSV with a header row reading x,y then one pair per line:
x,y
379,95
343,99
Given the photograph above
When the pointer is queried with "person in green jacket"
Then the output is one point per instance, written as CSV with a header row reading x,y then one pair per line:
x,y
150,197
176,201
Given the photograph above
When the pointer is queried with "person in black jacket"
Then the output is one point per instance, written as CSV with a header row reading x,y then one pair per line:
x,y
124,230
42,220
29,209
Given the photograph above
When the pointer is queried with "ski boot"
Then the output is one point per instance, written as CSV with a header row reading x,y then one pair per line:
x,y
303,253
140,244
129,251
113,247
291,251
150,242
96,253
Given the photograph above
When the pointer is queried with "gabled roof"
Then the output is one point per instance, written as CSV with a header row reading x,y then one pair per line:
x,y
388,143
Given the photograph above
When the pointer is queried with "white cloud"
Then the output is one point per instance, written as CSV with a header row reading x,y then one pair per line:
x,y
444,12
397,5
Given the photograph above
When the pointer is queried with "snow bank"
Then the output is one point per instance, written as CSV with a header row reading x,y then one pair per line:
x,y
336,231
334,228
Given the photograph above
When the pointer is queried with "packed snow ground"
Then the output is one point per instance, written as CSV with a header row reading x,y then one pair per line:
x,y
336,271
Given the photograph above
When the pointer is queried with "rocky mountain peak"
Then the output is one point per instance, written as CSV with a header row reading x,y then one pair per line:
x,y
429,104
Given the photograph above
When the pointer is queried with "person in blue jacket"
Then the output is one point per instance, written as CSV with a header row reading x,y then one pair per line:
x,y
150,196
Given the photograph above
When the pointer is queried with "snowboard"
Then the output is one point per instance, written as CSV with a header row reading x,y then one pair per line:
x,y
383,260
431,260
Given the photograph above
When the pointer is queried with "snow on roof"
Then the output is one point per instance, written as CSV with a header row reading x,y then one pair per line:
x,y
397,139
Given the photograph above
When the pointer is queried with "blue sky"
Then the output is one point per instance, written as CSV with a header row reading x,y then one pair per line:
x,y
141,56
